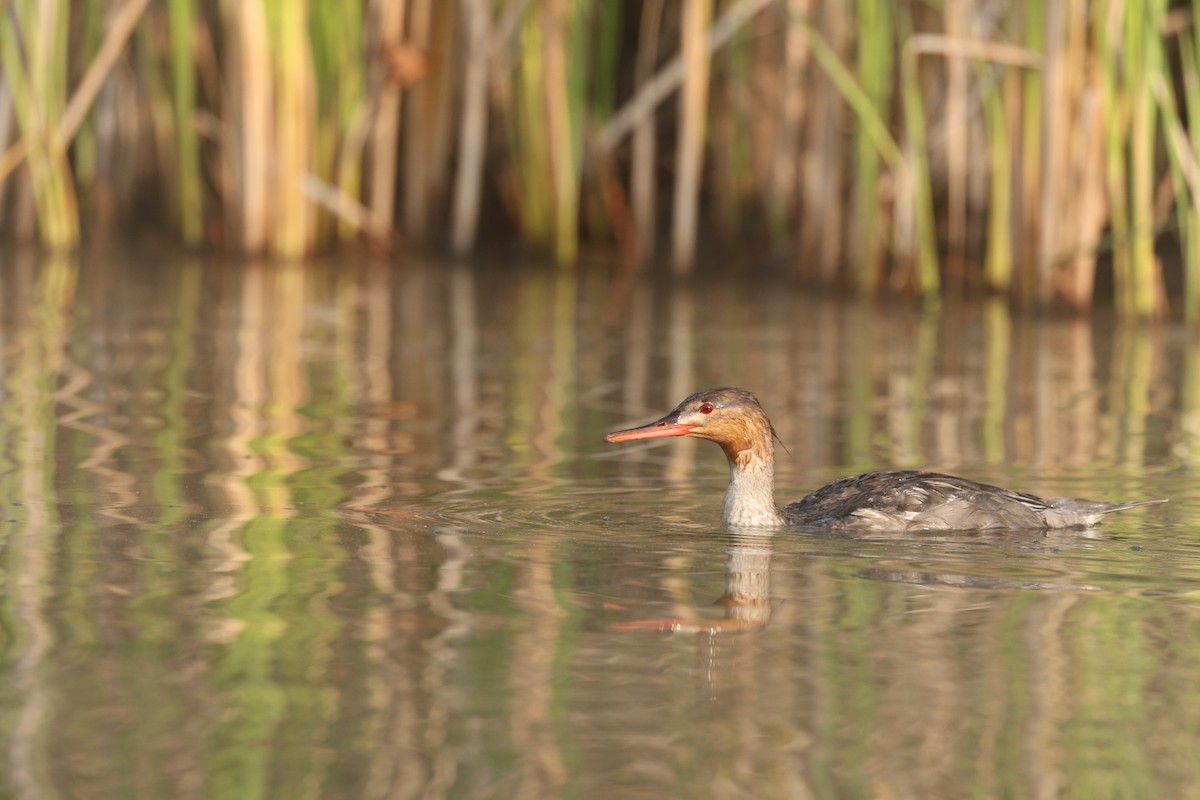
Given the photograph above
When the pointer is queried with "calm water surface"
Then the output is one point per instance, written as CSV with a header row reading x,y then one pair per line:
x,y
350,531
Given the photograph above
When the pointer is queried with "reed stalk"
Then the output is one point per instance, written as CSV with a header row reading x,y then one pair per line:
x,y
338,52
998,258
689,154
605,212
823,223
1188,158
1073,205
472,138
119,31
731,174
182,21
871,118
1184,179
1028,194
607,61
85,155
387,20
430,75
246,146
564,26
642,165
1053,182
928,276
876,57
1077,273
530,139
34,44
1142,27
292,67
919,193
441,70
160,112
1115,112
671,76
875,147
1133,30
783,181
419,128
957,145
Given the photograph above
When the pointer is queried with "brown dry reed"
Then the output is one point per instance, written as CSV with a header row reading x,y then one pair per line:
x,y
1041,150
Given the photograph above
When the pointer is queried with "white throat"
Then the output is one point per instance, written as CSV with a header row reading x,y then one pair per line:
x,y
750,498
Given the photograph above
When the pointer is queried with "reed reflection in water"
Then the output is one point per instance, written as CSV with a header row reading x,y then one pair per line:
x,y
348,530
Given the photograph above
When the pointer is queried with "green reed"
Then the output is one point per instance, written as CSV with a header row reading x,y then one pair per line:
x,y
421,121
291,64
1185,171
573,32
998,260
545,124
531,171
1143,61
34,45
181,15
1190,213
84,148
892,146
1032,105
732,171
607,18
339,71
875,145
876,58
917,176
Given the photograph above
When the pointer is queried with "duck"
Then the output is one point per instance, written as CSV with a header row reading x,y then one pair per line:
x,y
886,500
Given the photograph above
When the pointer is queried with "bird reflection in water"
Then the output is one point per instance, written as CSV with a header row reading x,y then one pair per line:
x,y
747,597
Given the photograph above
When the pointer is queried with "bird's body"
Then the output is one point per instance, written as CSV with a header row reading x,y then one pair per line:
x,y
891,500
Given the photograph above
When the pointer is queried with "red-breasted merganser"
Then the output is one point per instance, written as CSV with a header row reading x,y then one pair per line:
x,y
891,500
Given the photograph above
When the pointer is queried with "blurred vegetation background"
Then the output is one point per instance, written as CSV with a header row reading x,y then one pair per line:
x,y
1040,149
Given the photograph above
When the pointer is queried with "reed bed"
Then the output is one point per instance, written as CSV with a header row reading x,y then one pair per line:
x,y
1044,151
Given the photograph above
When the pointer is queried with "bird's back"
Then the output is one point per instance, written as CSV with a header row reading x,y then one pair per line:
x,y
911,500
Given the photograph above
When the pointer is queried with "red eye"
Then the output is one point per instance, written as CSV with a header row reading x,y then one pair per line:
x,y
706,408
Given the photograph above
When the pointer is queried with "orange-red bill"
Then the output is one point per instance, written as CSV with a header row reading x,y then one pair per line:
x,y
654,430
